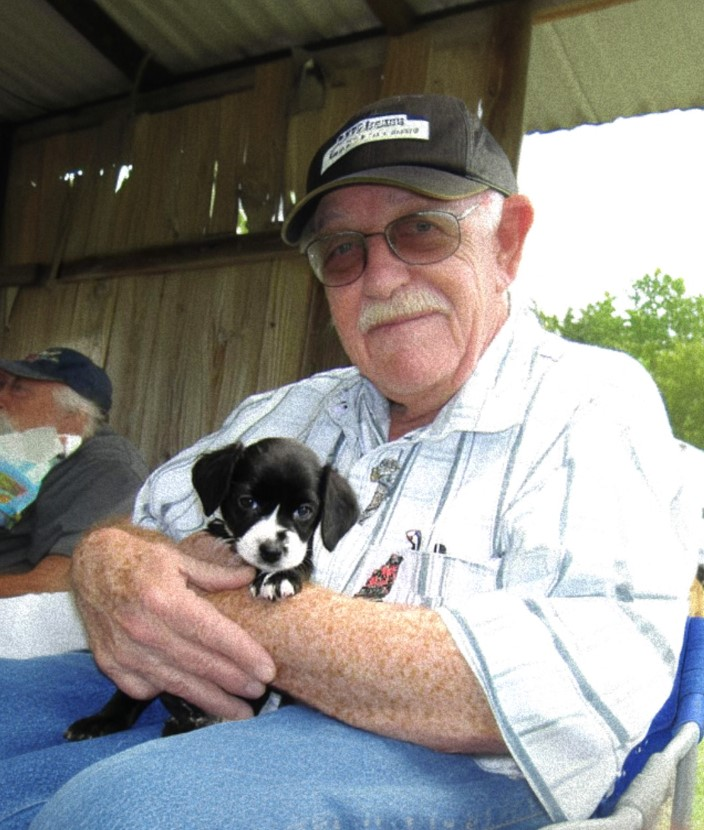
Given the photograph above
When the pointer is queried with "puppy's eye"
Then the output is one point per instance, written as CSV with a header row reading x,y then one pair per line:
x,y
303,512
247,503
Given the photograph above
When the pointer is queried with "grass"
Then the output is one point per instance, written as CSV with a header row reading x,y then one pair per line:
x,y
698,812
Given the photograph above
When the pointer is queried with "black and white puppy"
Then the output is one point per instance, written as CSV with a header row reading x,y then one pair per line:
x,y
272,495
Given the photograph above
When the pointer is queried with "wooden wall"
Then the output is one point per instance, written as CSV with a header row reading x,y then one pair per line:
x,y
185,339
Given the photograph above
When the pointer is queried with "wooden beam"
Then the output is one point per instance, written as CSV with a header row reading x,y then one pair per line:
x,y
113,43
20,276
547,11
396,16
6,136
208,252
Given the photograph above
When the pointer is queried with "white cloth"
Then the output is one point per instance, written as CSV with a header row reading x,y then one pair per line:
x,y
35,625
694,478
537,514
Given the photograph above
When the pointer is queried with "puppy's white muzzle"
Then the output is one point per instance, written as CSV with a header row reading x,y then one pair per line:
x,y
270,547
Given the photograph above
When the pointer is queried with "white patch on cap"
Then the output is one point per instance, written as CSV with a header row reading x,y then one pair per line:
x,y
379,128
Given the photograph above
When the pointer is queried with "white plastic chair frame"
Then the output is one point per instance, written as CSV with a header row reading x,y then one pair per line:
x,y
640,805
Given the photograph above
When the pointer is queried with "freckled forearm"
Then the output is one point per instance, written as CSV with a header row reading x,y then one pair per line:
x,y
51,574
391,669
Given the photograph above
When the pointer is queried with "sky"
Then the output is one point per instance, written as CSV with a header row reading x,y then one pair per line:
x,y
613,203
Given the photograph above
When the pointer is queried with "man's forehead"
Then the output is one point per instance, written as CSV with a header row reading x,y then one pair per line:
x,y
338,203
8,377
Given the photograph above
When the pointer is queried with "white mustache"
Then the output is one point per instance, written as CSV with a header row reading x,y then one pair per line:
x,y
398,306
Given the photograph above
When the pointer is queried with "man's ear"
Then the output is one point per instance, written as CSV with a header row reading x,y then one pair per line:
x,y
516,220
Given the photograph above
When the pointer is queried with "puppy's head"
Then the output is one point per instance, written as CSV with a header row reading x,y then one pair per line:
x,y
272,495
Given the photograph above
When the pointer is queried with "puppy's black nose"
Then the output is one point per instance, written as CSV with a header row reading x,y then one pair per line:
x,y
271,552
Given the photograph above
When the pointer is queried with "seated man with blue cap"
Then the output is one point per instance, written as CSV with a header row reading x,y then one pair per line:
x,y
96,475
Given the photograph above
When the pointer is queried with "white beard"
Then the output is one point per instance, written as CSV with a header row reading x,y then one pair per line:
x,y
6,424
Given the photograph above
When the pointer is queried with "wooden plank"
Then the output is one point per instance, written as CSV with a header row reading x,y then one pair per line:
x,y
322,349
6,136
204,253
407,62
284,326
261,184
237,312
208,252
507,62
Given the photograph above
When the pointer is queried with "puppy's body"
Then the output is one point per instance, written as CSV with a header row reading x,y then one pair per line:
x,y
272,495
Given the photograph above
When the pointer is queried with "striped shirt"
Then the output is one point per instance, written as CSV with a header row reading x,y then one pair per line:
x,y
536,514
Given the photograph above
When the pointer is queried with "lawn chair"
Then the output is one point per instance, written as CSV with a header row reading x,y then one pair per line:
x,y
668,753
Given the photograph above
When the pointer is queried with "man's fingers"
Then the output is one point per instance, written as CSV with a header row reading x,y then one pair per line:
x,y
210,576
210,697
213,644
186,638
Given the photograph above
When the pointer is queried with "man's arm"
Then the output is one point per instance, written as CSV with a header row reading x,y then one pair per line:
x,y
387,668
390,669
49,575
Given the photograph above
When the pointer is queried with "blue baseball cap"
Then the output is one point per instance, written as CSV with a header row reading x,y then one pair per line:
x,y
65,366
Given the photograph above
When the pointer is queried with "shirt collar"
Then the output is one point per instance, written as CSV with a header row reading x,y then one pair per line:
x,y
491,400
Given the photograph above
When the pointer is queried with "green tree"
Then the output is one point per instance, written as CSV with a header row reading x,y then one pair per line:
x,y
664,329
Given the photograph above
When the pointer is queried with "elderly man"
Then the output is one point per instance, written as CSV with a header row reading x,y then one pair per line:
x,y
63,389
517,496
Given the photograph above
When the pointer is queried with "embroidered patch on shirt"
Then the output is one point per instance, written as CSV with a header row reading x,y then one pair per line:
x,y
379,584
385,475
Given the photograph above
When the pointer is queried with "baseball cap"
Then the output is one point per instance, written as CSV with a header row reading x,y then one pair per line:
x,y
429,144
65,366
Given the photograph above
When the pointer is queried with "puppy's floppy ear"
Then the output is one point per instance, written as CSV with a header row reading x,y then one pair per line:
x,y
212,474
340,509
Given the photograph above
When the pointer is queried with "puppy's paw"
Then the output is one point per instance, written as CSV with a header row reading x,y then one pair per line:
x,y
275,586
94,726
274,590
174,726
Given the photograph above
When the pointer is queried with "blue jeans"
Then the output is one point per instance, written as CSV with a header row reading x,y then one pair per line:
x,y
294,769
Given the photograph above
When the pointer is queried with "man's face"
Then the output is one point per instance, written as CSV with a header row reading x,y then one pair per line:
x,y
418,353
25,403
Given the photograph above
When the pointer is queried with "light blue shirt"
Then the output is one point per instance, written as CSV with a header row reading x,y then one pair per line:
x,y
538,514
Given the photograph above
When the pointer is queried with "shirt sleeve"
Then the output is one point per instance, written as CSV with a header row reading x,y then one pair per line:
x,y
577,647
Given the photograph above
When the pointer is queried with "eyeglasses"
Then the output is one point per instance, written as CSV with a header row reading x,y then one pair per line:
x,y
421,238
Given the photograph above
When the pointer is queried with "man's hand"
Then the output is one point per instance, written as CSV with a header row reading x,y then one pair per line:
x,y
151,631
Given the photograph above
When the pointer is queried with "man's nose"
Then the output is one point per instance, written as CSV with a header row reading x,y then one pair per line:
x,y
384,271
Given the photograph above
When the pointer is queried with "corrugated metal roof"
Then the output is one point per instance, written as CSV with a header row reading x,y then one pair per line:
x,y
45,65
640,57
192,35
628,58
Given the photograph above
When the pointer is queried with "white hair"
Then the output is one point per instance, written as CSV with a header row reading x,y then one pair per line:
x,y
73,403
